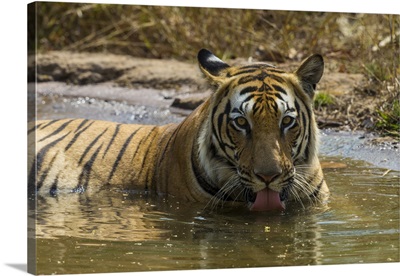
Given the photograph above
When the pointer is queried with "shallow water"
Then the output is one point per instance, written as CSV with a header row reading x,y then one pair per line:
x,y
59,107
130,231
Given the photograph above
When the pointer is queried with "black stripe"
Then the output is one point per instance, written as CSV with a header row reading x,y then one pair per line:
x,y
215,129
265,87
279,88
301,130
120,154
149,147
206,184
50,123
245,79
168,142
272,104
144,138
220,123
253,66
248,98
307,149
277,78
84,176
275,70
262,76
219,130
244,72
214,111
296,105
34,128
296,146
53,188
58,130
43,174
112,139
228,135
37,164
279,96
77,134
259,106
81,124
259,100
91,145
269,98
256,108
146,187
308,128
248,89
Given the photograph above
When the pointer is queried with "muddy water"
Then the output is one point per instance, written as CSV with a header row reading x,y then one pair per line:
x,y
131,231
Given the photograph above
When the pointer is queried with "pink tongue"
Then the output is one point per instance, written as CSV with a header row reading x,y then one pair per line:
x,y
267,200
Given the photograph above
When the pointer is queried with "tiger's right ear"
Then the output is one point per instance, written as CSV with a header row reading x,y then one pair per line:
x,y
212,67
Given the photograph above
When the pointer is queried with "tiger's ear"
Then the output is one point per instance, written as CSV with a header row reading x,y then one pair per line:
x,y
212,67
310,72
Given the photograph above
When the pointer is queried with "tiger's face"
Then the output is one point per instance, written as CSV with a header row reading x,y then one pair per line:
x,y
261,132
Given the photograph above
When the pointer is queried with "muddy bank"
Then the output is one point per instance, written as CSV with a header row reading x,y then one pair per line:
x,y
146,91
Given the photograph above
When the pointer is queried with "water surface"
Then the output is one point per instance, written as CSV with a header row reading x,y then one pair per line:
x,y
132,231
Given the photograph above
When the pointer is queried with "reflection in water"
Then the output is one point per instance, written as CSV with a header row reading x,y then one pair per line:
x,y
129,231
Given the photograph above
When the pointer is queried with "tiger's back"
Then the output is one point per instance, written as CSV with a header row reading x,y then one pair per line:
x,y
77,154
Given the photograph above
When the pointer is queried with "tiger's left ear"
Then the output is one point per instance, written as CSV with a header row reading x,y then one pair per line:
x,y
212,67
310,73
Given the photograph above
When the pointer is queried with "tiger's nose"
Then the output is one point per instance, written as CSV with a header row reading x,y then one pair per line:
x,y
268,176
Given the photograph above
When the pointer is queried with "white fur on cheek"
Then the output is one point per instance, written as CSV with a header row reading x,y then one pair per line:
x,y
204,140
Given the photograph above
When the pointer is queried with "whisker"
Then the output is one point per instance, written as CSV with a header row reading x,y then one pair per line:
x,y
225,191
301,184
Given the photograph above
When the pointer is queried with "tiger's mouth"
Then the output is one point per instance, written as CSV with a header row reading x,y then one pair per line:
x,y
267,200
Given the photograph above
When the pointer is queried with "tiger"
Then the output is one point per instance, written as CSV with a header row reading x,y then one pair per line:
x,y
253,141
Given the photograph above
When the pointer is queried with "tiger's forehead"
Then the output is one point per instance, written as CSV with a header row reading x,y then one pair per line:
x,y
257,87
261,72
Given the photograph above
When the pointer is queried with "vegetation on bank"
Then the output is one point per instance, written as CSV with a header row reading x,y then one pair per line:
x,y
351,43
388,122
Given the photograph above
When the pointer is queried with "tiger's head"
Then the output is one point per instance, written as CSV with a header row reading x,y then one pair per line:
x,y
259,143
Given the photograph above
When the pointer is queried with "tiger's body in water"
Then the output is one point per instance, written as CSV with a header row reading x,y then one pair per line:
x,y
254,140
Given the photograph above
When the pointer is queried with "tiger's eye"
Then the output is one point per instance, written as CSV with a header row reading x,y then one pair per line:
x,y
240,121
287,121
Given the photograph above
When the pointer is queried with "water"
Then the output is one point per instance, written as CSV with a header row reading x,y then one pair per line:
x,y
53,106
120,231
130,231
